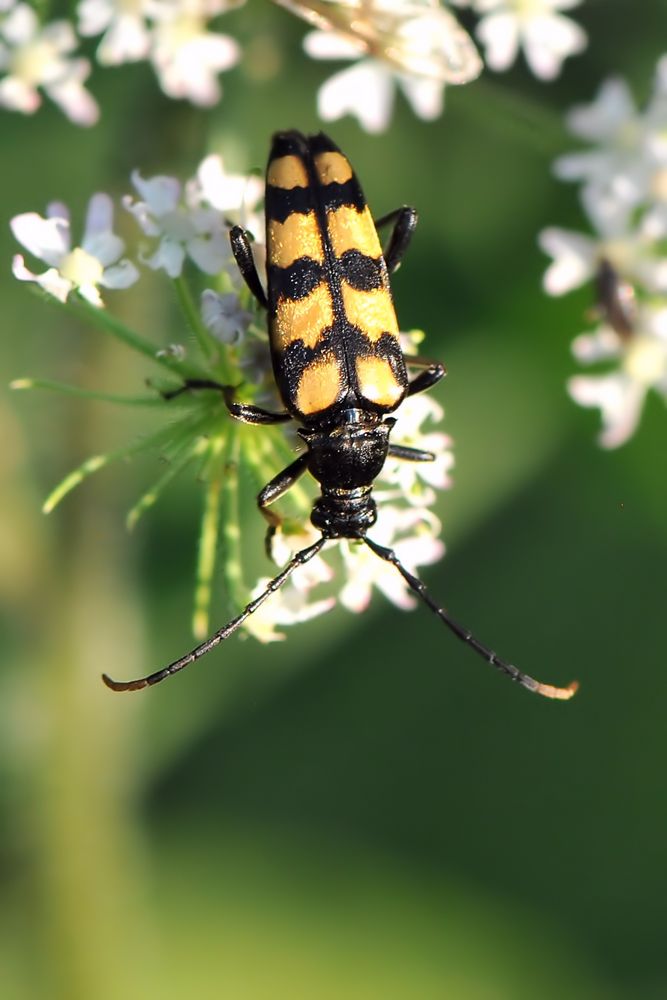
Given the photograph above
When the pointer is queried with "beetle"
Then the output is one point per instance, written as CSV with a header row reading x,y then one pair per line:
x,y
337,362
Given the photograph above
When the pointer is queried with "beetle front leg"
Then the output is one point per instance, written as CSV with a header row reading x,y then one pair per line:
x,y
242,251
405,223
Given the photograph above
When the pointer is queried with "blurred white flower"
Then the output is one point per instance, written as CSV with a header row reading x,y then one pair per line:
x,y
576,258
186,56
183,226
224,316
236,196
416,45
536,26
412,533
96,261
642,366
291,604
33,56
627,165
127,32
367,89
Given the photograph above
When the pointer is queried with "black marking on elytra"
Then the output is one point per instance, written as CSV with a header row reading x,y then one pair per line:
x,y
362,272
296,281
321,143
342,340
336,195
283,202
289,143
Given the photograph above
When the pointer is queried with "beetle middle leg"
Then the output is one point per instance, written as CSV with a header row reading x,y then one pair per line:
x,y
246,412
431,373
273,490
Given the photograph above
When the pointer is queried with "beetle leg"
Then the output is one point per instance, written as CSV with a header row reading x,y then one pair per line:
x,y
432,372
406,454
245,412
278,486
246,263
405,221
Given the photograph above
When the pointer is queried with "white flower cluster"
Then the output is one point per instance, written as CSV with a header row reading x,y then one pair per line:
x,y
36,57
418,47
538,27
191,222
624,194
415,45
404,494
172,34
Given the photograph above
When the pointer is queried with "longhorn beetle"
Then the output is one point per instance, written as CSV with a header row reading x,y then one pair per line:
x,y
337,362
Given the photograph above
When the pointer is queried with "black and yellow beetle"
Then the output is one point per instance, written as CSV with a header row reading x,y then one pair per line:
x,y
337,362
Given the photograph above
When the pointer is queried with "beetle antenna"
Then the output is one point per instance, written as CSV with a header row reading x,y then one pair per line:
x,y
419,588
300,559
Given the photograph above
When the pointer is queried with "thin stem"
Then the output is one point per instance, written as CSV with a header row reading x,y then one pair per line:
x,y
177,462
207,345
232,574
105,321
73,390
208,540
97,462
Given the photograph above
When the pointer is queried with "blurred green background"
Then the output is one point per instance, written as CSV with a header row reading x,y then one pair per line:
x,y
365,810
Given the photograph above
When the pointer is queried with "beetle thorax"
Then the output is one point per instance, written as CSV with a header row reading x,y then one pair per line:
x,y
346,458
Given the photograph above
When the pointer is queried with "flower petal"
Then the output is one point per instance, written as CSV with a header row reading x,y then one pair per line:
x,y
46,239
574,259
365,90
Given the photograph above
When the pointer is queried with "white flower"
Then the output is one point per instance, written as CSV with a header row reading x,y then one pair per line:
x,y
224,316
546,36
620,394
127,34
35,57
188,58
633,255
409,477
291,604
236,196
415,44
412,533
617,168
628,164
96,261
183,226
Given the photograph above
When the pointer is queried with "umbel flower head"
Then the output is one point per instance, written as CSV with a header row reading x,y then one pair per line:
x,y
546,36
36,58
95,262
416,45
624,195
188,226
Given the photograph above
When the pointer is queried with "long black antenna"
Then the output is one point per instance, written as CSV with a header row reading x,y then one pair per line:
x,y
419,588
300,559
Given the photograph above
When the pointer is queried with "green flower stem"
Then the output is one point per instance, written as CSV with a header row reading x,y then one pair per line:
x,y
208,539
232,573
177,462
96,462
105,321
73,390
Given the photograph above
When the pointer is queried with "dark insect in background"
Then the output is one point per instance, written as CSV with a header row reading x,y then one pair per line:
x,y
337,362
